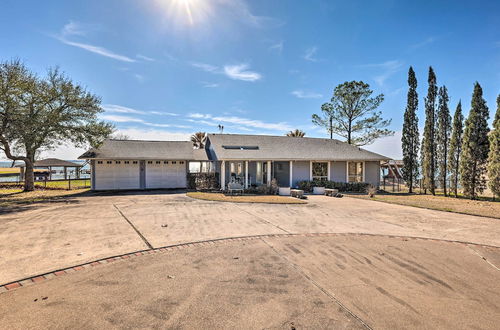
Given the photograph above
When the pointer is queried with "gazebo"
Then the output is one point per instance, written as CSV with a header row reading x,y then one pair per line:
x,y
49,163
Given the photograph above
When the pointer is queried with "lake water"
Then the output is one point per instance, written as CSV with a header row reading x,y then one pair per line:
x,y
55,176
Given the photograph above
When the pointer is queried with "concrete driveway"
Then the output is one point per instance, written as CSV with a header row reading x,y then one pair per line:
x,y
287,281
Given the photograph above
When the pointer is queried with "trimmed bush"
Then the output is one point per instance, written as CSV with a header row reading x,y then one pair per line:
x,y
203,181
360,187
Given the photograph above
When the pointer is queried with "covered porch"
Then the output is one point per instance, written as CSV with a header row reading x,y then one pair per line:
x,y
253,173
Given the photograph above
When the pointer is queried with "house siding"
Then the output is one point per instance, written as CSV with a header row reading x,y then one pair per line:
x,y
372,173
338,171
301,172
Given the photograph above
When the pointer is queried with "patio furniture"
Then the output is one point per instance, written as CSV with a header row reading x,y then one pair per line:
x,y
297,193
235,188
331,192
284,191
318,190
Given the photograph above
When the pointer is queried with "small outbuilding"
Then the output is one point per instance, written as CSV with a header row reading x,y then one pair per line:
x,y
49,163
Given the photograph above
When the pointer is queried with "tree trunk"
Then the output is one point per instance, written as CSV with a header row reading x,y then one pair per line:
x,y
29,177
331,128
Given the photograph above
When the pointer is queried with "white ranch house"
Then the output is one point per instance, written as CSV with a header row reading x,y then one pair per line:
x,y
251,160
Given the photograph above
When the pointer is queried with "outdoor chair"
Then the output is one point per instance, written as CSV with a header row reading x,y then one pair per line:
x,y
235,188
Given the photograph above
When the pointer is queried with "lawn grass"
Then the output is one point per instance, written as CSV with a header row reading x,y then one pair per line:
x,y
56,184
266,199
16,196
484,207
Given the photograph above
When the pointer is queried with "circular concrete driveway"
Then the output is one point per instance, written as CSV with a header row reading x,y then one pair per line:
x,y
285,276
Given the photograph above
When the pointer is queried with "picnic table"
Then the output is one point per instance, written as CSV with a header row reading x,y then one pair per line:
x,y
297,193
331,192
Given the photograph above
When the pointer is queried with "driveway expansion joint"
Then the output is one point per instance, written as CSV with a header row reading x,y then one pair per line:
x,y
134,227
174,247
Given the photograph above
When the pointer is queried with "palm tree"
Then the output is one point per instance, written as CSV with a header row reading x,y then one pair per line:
x,y
296,133
198,139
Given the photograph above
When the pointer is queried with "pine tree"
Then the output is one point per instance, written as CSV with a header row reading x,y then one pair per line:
x,y
494,155
429,145
422,184
455,148
443,136
475,146
410,139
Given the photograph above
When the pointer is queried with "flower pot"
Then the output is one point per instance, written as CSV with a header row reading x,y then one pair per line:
x,y
284,191
318,190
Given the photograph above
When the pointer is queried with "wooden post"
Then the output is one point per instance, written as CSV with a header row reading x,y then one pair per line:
x,y
246,174
269,173
223,175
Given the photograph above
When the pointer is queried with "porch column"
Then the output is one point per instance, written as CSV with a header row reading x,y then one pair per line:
x,y
246,174
268,172
223,175
291,174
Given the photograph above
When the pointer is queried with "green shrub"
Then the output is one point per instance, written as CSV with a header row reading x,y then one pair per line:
x,y
360,187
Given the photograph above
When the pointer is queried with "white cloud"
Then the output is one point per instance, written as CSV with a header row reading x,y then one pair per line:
x,y
236,72
205,67
241,122
242,12
423,43
145,58
389,146
128,119
388,69
140,78
240,72
306,95
74,28
97,50
310,54
154,134
121,109
209,85
277,46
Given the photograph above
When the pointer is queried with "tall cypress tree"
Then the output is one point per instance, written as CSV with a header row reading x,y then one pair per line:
x,y
475,146
443,136
494,155
410,138
455,148
429,145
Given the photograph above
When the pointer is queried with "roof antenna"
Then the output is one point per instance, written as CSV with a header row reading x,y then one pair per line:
x,y
221,129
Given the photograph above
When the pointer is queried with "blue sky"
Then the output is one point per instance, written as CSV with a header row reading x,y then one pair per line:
x,y
167,68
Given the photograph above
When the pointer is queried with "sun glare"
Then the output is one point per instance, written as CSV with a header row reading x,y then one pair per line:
x,y
186,12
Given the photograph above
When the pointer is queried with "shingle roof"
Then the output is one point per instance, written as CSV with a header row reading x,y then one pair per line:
x,y
136,149
225,146
54,162
234,147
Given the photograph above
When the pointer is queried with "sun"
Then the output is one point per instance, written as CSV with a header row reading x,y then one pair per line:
x,y
186,12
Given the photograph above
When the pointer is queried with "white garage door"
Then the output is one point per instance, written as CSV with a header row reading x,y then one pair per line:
x,y
165,174
119,174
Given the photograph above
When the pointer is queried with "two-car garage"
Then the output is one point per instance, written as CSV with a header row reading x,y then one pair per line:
x,y
133,164
139,174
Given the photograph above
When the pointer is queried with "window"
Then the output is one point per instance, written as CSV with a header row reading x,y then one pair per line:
x,y
99,162
109,162
181,162
165,162
150,162
355,172
320,171
201,167
174,162
158,162
134,162
126,162
118,162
